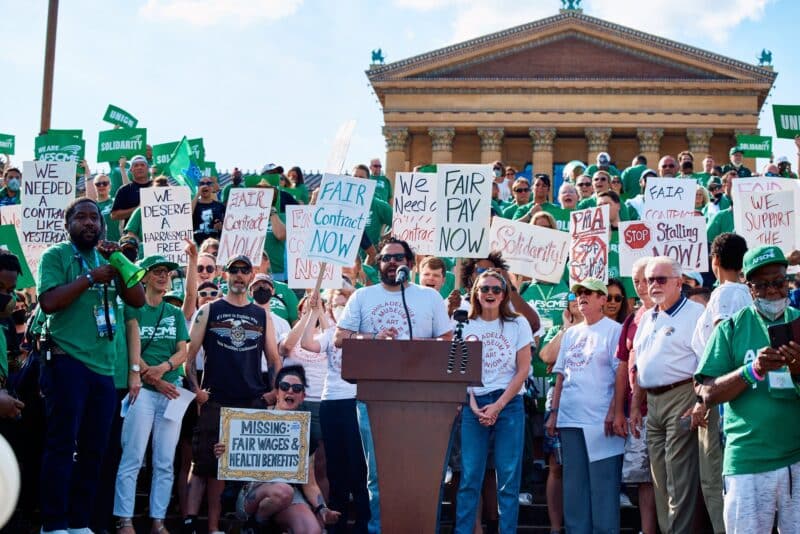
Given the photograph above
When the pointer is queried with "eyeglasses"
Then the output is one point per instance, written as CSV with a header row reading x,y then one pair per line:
x,y
207,268
713,187
244,269
581,291
102,184
296,388
522,190
494,289
616,182
208,293
600,179
584,184
763,286
159,271
511,174
376,166
615,298
660,280
205,183
668,165
386,258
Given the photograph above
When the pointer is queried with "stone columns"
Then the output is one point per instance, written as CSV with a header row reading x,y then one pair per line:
x,y
491,144
650,144
597,142
542,157
699,143
442,144
396,149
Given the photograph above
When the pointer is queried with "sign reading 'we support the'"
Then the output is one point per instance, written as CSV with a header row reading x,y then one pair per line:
x,y
765,211
339,218
302,272
48,187
414,214
669,198
246,224
682,240
166,222
589,230
463,200
530,250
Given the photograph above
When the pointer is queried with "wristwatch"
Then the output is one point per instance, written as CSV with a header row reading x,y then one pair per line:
x,y
135,368
90,278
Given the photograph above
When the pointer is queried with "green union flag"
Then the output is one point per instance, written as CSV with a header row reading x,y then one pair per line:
x,y
162,153
9,240
183,167
7,144
127,142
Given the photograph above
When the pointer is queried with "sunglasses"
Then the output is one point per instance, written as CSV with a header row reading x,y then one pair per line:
x,y
616,182
667,165
240,270
584,184
102,184
714,187
615,298
377,166
210,293
763,286
208,268
386,258
583,291
660,280
494,289
296,388
522,190
511,174
600,179
205,183
159,271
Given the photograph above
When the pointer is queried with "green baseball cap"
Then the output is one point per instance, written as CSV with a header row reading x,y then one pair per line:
x,y
734,150
151,262
592,284
178,295
758,257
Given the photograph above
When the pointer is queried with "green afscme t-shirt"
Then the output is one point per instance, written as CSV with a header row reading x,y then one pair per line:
x,y
74,329
160,329
763,430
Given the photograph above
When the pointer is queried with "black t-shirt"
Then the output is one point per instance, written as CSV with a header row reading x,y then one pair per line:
x,y
203,218
128,196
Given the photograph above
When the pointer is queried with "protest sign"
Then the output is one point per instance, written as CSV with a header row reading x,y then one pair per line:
x,y
7,144
766,218
47,189
120,117
9,240
33,252
589,230
58,147
339,218
414,214
78,134
166,221
302,271
754,146
264,445
669,198
683,240
463,200
787,121
162,153
530,250
127,142
246,222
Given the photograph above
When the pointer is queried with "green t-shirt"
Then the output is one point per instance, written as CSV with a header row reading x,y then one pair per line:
x,y
160,329
380,215
514,211
499,206
284,303
590,202
299,192
613,265
383,188
74,328
112,227
275,248
8,200
560,214
549,300
762,430
371,273
115,177
722,222
447,287
630,181
624,213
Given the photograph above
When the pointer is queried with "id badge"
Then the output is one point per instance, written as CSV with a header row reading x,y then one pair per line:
x,y
780,384
100,319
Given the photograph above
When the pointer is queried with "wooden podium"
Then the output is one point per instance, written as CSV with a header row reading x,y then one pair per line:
x,y
412,402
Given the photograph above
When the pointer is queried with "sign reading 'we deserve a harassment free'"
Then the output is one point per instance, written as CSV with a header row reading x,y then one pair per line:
x,y
122,142
166,222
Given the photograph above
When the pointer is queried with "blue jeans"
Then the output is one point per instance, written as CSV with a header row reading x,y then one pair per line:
x,y
591,489
509,435
79,407
374,526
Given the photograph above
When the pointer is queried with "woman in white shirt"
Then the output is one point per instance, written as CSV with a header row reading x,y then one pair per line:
x,y
583,412
495,410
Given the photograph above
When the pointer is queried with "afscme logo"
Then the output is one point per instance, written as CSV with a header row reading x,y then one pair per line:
x,y
765,256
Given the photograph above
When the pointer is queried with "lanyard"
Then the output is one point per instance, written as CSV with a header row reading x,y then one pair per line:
x,y
85,264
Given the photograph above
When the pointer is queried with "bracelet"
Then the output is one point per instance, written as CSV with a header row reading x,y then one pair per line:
x,y
171,366
757,376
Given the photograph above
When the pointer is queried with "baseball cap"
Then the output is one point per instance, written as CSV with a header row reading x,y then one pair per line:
x,y
781,159
592,284
139,159
151,262
177,295
603,158
241,258
262,277
734,150
694,275
758,257
271,168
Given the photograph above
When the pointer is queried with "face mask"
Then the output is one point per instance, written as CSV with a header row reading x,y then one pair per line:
x,y
13,184
771,309
262,295
7,305
19,316
498,173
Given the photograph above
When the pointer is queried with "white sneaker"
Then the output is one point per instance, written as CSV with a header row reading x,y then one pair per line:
x,y
526,499
625,501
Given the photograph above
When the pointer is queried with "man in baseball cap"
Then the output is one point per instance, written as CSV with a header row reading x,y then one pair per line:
x,y
737,155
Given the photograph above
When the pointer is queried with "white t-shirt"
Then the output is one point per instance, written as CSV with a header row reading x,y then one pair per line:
x,y
315,365
501,341
725,301
504,190
335,387
282,328
373,308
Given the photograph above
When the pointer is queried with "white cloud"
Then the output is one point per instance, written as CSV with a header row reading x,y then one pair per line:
x,y
212,12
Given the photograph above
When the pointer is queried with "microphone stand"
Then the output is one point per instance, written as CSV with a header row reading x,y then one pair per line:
x,y
458,341
405,307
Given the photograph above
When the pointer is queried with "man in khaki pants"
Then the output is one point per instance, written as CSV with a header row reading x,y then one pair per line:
x,y
665,364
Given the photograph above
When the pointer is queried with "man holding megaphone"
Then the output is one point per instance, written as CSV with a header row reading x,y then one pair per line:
x,y
79,280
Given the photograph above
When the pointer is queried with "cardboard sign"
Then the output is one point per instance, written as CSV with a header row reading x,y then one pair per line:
x,y
9,240
787,121
166,221
683,240
264,445
339,218
244,229
530,250
669,198
120,117
766,218
463,214
414,213
162,153
122,142
47,189
7,144
590,232
13,215
58,147
754,146
303,272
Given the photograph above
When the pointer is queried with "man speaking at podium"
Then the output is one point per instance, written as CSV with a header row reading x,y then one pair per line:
x,y
395,309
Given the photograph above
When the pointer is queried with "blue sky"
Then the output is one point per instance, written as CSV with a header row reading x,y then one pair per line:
x,y
272,80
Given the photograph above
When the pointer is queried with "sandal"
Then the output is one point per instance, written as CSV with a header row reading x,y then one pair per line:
x,y
158,527
125,525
